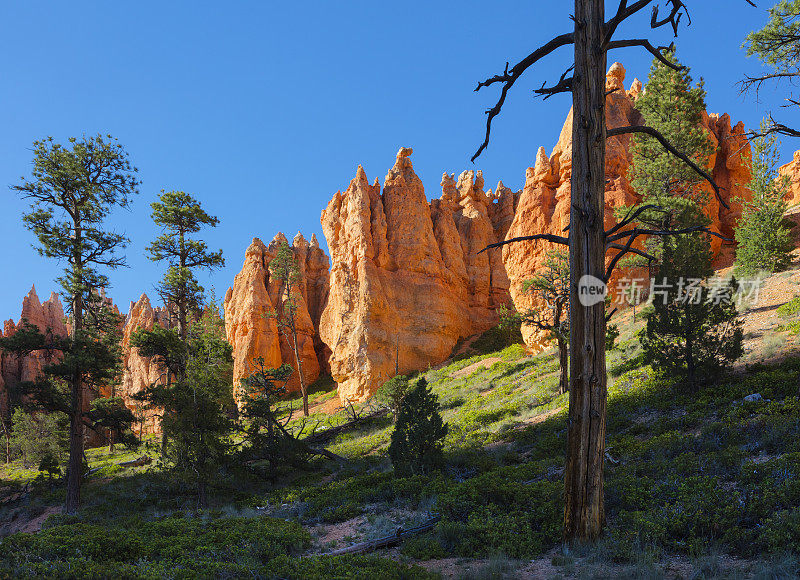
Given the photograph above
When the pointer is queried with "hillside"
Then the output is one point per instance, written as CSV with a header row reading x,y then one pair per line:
x,y
696,485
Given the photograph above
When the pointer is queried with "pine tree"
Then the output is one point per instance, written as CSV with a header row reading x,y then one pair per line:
x,y
284,268
693,332
673,107
265,428
180,215
777,46
764,241
418,436
551,288
197,405
72,190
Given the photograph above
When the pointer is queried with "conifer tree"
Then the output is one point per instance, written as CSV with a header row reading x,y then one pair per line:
x,y
418,436
693,332
284,268
180,215
551,287
72,189
196,406
764,241
777,46
669,188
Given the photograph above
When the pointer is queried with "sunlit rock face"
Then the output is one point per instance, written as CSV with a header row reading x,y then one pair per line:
x,y
254,302
408,279
544,204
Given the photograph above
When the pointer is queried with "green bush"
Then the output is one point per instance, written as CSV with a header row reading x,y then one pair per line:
x,y
34,437
790,308
417,439
392,393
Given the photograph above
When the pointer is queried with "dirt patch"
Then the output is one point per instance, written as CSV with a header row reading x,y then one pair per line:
x,y
541,418
481,364
329,407
22,522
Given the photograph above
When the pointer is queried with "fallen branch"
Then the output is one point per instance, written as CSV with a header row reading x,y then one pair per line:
x,y
387,541
328,434
143,460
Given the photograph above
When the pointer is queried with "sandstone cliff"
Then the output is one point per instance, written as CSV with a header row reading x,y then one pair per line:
x,y
44,315
256,298
544,203
139,372
792,171
407,281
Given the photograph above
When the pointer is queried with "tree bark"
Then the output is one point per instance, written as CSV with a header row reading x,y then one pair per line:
x,y
563,365
75,464
584,510
303,389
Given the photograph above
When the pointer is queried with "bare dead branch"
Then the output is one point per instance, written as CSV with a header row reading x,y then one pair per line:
x,y
674,17
656,51
631,216
547,237
635,232
564,85
509,77
671,148
623,12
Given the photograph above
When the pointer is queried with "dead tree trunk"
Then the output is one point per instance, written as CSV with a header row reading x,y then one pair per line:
x,y
583,512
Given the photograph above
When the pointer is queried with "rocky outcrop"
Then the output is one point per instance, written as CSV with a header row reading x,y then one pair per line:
x,y
254,307
545,200
407,278
139,372
792,171
48,316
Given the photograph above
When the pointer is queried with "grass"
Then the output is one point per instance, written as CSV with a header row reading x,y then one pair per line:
x,y
683,472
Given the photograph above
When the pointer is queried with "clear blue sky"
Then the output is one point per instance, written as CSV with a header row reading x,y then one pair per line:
x,y
264,109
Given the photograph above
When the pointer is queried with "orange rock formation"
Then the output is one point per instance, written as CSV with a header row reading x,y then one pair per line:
x,y
255,298
44,315
407,278
139,371
544,204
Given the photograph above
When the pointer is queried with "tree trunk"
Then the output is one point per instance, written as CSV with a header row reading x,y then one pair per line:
x,y
690,367
584,513
303,389
563,365
75,463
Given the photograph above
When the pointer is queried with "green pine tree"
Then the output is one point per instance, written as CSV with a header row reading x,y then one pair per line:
x,y
418,436
180,215
693,332
674,107
777,46
197,405
72,190
285,270
764,241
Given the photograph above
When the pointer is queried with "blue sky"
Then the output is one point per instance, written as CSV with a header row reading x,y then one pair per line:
x,y
263,110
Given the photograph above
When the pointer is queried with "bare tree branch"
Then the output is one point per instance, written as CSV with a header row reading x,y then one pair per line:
x,y
671,148
509,77
632,214
635,232
674,17
657,52
547,237
564,85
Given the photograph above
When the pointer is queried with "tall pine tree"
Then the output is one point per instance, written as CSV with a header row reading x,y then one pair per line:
x,y
674,107
180,215
73,188
763,241
284,269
